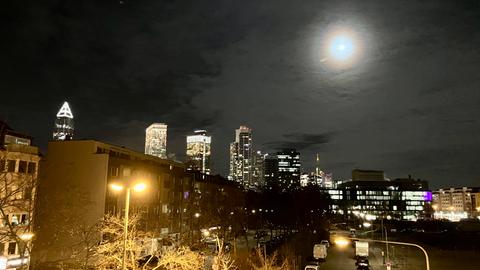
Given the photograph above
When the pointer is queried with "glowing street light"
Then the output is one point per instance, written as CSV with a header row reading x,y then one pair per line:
x,y
27,236
138,187
341,242
197,215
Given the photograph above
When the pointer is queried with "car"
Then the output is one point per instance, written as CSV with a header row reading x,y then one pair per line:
x,y
325,242
362,262
312,266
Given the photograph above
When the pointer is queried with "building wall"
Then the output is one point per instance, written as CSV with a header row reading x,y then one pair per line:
x,y
71,196
75,193
18,178
367,175
455,203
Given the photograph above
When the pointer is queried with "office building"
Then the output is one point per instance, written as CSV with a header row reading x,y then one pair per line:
x,y
156,140
367,175
258,169
199,152
64,125
241,157
288,170
19,161
456,203
270,171
400,199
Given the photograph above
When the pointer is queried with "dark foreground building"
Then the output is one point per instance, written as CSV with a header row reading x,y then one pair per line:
x,y
75,193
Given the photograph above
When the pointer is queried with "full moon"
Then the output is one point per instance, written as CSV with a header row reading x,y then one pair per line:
x,y
341,48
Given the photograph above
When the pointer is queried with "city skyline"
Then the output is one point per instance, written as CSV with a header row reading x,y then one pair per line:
x,y
240,135
261,66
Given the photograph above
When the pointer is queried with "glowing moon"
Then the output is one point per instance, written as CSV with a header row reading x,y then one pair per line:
x,y
341,48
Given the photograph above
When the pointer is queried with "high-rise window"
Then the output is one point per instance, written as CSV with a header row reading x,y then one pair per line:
x,y
64,125
199,151
156,140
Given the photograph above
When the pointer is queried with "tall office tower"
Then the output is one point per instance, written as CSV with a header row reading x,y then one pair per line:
x,y
270,171
319,174
156,140
241,157
288,170
64,126
199,151
258,169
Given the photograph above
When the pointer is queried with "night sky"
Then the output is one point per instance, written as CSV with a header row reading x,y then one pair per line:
x,y
410,104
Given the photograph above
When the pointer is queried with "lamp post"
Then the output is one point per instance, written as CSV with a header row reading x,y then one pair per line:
x,y
138,188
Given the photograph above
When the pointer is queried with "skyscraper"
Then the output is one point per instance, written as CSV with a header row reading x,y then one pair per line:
x,y
288,169
64,126
199,151
241,157
156,140
258,169
270,171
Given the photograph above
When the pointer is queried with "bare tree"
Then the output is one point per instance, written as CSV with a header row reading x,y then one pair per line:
x,y
18,180
110,252
223,261
180,259
264,262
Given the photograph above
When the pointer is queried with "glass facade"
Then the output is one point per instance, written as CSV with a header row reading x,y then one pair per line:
x,y
241,157
199,151
381,203
156,140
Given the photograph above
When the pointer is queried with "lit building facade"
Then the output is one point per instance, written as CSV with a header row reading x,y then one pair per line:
x,y
258,169
400,199
64,125
156,140
241,157
456,203
199,152
289,167
19,161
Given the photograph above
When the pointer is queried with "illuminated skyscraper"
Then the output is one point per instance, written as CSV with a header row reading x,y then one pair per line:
x,y
64,126
258,169
156,140
199,151
288,170
241,157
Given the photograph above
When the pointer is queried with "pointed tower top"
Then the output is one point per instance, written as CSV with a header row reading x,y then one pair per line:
x,y
65,111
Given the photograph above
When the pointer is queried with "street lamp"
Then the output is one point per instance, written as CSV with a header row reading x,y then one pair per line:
x,y
138,187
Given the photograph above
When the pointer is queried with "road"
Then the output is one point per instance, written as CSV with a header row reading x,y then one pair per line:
x,y
342,258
